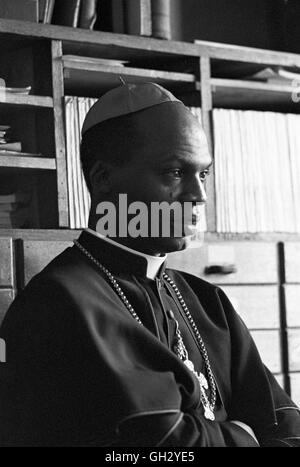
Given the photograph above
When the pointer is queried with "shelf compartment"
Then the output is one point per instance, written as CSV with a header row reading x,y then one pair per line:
x,y
19,161
113,45
26,100
233,93
90,78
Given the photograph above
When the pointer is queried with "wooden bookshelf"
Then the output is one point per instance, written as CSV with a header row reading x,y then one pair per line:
x,y
27,100
187,69
119,46
19,161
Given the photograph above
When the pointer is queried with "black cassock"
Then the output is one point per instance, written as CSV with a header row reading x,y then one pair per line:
x,y
81,371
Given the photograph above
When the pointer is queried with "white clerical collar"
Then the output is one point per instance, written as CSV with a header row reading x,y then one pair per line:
x,y
153,262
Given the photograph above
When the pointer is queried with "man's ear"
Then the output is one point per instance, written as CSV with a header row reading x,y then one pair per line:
x,y
100,177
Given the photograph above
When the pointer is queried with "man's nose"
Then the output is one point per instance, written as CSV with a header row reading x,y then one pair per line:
x,y
196,191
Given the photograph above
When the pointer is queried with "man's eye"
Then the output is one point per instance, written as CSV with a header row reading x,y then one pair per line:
x,y
204,175
176,173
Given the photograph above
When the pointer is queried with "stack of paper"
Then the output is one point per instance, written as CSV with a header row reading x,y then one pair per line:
x,y
79,199
7,144
257,170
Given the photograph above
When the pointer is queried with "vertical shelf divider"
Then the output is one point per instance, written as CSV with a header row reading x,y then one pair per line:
x,y
59,129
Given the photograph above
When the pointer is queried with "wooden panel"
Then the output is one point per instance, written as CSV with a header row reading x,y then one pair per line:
x,y
258,306
255,262
113,44
27,100
6,297
268,344
60,137
295,387
294,349
95,80
37,254
292,300
292,261
6,262
14,160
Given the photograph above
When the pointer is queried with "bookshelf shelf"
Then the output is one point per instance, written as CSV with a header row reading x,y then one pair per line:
x,y
93,43
112,45
16,160
231,92
27,100
89,78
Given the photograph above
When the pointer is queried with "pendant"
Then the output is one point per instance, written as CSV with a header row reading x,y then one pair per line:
x,y
208,413
189,364
200,376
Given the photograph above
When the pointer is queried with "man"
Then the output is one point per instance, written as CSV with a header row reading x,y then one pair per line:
x,y
109,347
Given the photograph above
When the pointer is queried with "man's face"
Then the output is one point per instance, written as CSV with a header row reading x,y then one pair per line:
x,y
170,165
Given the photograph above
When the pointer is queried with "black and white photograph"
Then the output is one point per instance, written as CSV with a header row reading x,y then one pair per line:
x,y
150,226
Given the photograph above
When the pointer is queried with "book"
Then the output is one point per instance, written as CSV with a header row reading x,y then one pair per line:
x,y
138,19
4,127
294,142
9,90
66,13
104,16
87,14
46,10
25,10
275,75
42,5
79,199
256,153
161,19
4,133
118,16
94,60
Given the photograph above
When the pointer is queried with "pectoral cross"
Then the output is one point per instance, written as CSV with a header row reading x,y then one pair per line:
x,y
208,413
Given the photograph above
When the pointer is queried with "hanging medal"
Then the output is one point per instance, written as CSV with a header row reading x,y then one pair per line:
x,y
182,353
